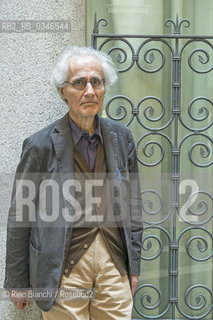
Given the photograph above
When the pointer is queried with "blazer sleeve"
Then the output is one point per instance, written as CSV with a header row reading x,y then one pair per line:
x,y
19,219
135,207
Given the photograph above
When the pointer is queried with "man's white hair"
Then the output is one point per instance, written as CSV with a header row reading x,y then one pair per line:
x,y
61,69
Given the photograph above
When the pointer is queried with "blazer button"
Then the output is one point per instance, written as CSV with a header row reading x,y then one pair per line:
x,y
85,245
66,270
72,261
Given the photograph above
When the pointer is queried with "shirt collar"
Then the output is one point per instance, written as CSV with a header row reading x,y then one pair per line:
x,y
77,132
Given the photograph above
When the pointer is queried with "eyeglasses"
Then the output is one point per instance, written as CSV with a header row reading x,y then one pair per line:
x,y
81,83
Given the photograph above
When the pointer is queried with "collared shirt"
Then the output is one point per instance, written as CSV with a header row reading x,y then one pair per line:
x,y
86,144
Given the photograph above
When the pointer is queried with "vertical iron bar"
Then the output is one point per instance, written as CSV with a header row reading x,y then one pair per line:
x,y
95,33
175,176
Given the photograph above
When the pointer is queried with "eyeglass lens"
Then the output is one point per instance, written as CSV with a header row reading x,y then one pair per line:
x,y
81,83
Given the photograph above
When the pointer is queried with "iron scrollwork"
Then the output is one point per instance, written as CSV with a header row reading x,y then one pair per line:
x,y
205,151
146,301
176,24
199,303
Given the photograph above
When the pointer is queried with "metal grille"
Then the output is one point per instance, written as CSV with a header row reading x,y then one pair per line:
x,y
180,236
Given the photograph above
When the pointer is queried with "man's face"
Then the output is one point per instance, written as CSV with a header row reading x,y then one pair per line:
x,y
87,102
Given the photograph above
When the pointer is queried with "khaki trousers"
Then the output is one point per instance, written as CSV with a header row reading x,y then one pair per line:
x,y
95,270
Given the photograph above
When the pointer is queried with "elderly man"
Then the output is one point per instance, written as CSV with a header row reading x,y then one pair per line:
x,y
92,242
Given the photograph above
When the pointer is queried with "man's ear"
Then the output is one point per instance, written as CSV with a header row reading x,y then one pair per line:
x,y
61,91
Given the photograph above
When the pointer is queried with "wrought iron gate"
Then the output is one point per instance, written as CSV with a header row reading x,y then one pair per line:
x,y
178,224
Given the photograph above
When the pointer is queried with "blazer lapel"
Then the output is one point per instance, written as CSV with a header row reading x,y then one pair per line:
x,y
110,146
63,146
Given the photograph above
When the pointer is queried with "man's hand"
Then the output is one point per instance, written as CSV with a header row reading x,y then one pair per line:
x,y
134,281
20,299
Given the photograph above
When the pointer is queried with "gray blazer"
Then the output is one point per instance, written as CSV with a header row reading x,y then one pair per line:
x,y
35,251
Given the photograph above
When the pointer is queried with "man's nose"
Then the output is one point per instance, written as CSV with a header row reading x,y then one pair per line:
x,y
89,89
